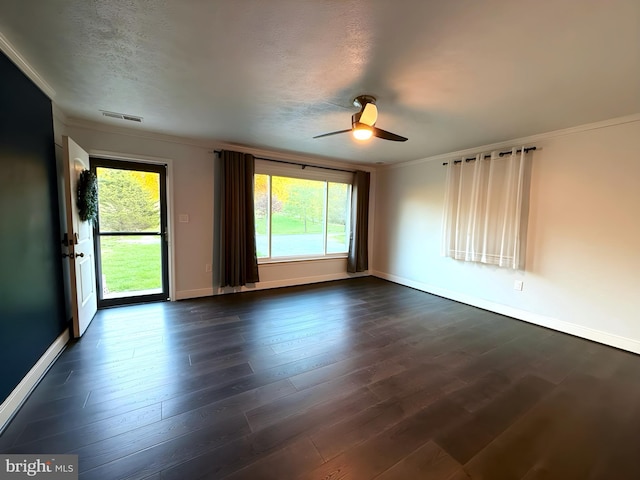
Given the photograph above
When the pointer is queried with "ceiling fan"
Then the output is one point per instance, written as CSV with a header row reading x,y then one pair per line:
x,y
363,123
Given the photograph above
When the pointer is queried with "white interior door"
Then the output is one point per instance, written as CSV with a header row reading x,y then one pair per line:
x,y
80,241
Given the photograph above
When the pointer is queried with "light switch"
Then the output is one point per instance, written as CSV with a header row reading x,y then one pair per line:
x,y
183,218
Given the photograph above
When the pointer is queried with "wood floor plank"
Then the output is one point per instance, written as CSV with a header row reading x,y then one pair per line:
x,y
372,457
145,461
244,401
428,461
236,455
514,453
334,439
560,434
204,420
73,439
293,460
467,439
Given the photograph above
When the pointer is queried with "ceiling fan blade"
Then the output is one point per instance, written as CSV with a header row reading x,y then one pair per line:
x,y
332,133
378,132
369,114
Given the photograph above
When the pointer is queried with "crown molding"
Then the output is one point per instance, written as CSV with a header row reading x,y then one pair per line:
x,y
11,52
523,141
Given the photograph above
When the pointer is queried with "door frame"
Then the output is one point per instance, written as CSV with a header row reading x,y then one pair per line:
x,y
169,238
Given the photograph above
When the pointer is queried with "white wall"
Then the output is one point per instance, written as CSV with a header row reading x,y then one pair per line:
x,y
582,272
192,184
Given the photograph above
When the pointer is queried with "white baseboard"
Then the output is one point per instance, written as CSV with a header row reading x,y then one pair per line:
x,y
623,343
19,394
292,282
201,292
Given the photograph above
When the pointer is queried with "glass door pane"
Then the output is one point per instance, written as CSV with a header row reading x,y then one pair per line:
x,y
131,265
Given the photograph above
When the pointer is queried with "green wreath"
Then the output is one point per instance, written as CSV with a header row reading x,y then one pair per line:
x,y
88,196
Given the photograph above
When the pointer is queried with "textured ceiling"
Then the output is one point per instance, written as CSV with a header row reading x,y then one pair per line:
x,y
272,74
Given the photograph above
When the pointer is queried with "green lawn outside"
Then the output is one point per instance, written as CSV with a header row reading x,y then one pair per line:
x,y
283,225
131,264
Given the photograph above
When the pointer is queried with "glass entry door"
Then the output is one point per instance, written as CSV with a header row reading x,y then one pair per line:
x,y
130,234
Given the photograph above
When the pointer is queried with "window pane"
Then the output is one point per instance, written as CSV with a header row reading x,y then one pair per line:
x,y
261,207
131,264
297,224
128,200
338,218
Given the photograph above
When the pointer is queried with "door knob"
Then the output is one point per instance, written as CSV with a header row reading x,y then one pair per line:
x,y
79,255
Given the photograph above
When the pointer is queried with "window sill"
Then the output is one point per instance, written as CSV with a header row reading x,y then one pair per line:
x,y
275,261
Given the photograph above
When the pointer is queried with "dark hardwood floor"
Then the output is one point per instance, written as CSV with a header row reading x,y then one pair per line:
x,y
356,379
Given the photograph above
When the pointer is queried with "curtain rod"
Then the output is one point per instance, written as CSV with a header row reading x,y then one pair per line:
x,y
303,165
502,154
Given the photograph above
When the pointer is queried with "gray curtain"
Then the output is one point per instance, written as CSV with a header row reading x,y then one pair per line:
x,y
358,258
238,259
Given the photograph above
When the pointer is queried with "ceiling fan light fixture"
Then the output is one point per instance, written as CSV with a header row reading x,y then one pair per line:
x,y
363,123
362,132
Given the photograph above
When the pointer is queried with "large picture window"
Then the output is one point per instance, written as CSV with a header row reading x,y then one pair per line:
x,y
301,217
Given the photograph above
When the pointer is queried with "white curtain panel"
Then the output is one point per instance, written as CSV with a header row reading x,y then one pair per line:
x,y
483,211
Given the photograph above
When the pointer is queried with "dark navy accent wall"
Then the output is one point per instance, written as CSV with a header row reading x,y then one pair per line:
x,y
31,293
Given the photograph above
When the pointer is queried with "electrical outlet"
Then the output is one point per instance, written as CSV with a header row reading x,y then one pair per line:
x,y
207,267
183,218
518,285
